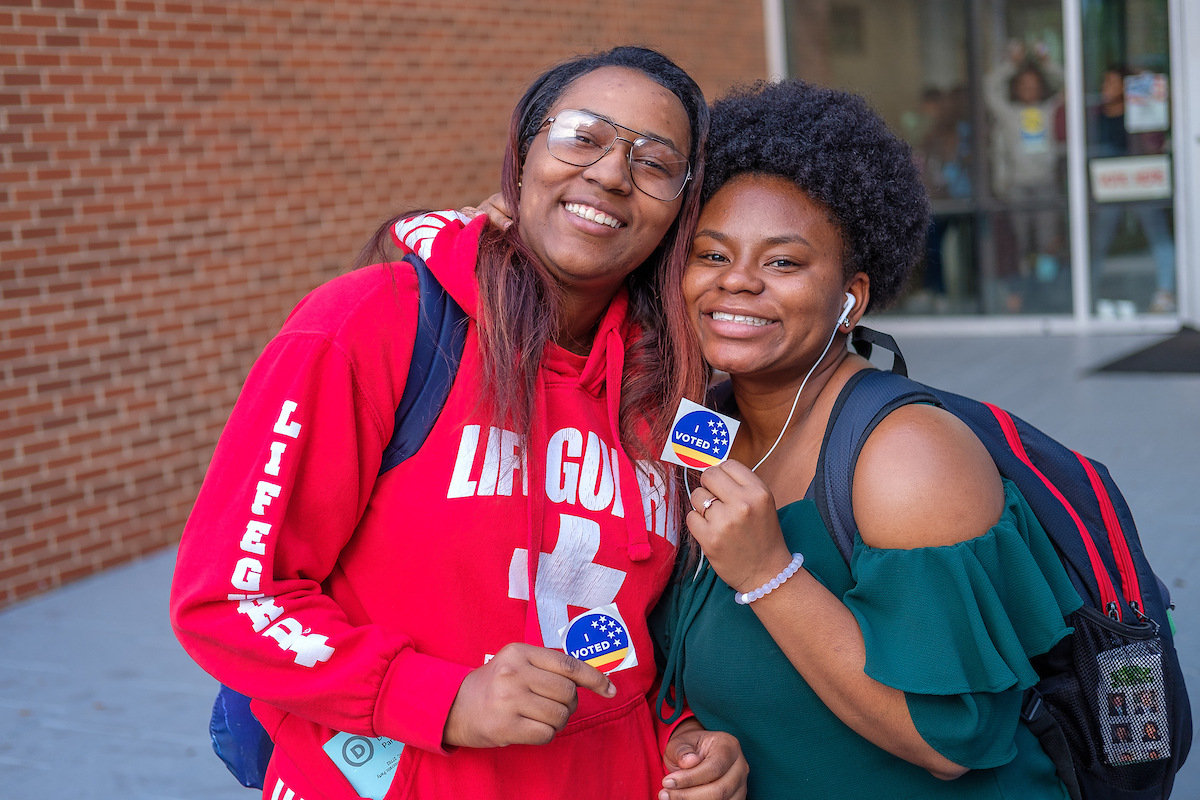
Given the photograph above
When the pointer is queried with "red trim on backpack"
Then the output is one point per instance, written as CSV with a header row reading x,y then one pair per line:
x,y
1108,593
1120,547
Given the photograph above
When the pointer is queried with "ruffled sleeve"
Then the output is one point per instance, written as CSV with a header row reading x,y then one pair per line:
x,y
954,627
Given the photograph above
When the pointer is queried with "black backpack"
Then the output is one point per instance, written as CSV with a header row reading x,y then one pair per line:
x,y
237,737
1111,709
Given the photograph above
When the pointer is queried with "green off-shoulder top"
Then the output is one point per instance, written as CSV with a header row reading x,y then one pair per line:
x,y
953,627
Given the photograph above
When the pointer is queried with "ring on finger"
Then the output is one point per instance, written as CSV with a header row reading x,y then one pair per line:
x,y
705,506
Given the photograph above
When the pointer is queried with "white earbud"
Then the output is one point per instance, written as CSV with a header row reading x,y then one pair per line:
x,y
847,307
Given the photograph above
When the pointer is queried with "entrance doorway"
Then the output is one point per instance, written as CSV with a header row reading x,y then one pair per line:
x,y
977,88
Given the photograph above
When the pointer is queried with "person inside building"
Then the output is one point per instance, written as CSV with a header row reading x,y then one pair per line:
x,y
401,613
901,672
1023,95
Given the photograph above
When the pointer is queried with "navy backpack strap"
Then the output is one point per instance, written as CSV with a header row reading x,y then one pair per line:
x,y
1041,468
868,397
437,351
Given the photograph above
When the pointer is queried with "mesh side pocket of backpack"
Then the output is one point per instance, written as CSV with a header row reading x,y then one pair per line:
x,y
1113,704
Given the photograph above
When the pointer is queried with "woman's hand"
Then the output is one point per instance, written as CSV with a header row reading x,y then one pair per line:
x,y
703,765
524,695
739,530
496,210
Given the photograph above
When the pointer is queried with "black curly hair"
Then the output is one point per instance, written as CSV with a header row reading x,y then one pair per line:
x,y
841,154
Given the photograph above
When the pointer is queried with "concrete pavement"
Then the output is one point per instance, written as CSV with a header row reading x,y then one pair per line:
x,y
97,700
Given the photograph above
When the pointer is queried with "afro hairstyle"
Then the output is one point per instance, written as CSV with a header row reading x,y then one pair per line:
x,y
841,154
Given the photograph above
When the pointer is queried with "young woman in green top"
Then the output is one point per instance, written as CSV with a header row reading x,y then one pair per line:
x,y
900,674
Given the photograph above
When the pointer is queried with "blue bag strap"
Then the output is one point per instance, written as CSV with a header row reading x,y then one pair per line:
x,y
868,397
437,351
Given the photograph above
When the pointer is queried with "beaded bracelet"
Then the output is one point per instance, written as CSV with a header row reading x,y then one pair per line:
x,y
791,569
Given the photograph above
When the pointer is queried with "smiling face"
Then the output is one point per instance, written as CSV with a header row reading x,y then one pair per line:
x,y
765,283
590,226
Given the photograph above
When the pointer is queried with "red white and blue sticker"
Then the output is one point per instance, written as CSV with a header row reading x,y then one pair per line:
x,y
601,638
700,437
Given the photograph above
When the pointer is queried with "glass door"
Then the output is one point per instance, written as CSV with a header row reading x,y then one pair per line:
x,y
1024,252
976,87
1127,75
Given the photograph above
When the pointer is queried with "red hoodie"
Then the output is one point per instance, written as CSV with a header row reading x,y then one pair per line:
x,y
344,601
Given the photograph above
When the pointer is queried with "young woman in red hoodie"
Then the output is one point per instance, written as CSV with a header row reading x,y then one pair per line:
x,y
396,635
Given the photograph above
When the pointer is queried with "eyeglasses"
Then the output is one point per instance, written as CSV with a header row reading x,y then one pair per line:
x,y
582,139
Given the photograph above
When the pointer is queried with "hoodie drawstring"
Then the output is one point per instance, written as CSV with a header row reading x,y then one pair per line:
x,y
536,465
690,595
638,540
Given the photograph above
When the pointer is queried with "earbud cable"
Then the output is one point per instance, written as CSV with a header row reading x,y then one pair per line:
x,y
795,402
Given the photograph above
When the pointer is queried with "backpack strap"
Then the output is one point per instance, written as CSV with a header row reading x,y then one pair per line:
x,y
1042,724
865,339
871,395
1055,482
868,397
437,352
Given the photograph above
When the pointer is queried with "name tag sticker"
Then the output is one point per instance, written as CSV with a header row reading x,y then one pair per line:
x,y
368,762
700,437
601,638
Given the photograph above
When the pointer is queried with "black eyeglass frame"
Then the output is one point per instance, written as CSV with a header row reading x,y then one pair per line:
x,y
642,137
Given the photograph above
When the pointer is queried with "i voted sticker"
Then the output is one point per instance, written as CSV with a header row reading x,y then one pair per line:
x,y
600,638
700,437
368,762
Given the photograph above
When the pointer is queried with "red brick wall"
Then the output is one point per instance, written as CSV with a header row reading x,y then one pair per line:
x,y
174,176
